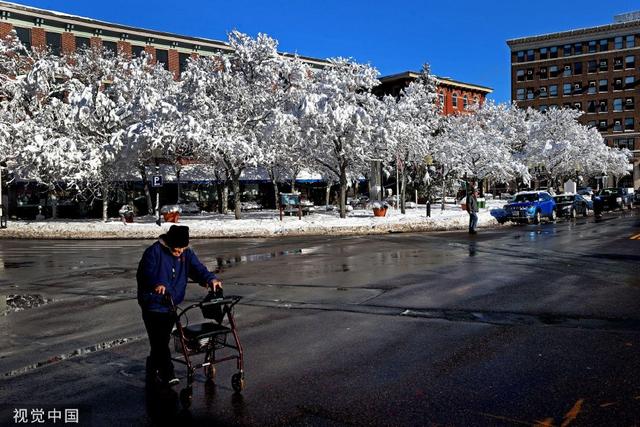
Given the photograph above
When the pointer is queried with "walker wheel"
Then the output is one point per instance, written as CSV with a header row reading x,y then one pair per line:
x,y
237,382
186,395
210,372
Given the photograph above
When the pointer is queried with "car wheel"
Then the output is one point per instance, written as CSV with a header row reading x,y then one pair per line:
x,y
536,218
631,206
586,211
574,214
554,215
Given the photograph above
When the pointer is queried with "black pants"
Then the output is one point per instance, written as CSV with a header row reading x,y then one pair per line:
x,y
159,326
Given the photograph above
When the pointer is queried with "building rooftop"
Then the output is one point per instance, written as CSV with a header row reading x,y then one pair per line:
x,y
440,80
628,20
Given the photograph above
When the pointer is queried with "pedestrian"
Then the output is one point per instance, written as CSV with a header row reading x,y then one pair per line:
x,y
472,208
162,272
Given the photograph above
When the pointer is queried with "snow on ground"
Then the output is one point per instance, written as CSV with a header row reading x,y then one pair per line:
x,y
265,223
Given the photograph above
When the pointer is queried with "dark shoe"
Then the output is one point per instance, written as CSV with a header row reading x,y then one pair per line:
x,y
473,232
173,381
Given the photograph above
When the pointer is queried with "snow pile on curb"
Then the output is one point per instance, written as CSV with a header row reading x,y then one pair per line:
x,y
254,224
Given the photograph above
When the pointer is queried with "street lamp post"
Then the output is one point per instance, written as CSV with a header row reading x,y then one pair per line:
x,y
3,218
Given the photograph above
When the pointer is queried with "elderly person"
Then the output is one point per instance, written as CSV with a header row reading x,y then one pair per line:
x,y
164,269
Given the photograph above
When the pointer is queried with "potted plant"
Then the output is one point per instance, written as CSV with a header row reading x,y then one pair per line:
x,y
380,208
171,213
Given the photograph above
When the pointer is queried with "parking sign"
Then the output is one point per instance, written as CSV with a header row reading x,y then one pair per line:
x,y
156,181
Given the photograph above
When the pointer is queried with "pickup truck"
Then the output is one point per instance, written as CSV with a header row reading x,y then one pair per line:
x,y
531,206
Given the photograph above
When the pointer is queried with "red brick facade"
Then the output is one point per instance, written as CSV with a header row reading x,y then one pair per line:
x,y
5,29
68,43
38,38
125,48
174,63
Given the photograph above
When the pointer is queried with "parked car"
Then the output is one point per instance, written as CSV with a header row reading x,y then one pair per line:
x,y
586,192
571,205
609,199
500,215
636,198
531,206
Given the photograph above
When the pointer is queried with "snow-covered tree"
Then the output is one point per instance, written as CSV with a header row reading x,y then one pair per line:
x,y
410,123
336,116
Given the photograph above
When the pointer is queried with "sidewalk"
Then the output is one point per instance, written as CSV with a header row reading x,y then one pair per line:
x,y
265,223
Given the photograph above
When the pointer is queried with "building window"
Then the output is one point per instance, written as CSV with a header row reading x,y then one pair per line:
x,y
629,82
603,65
630,61
162,56
54,42
577,49
83,43
183,60
543,53
520,55
567,71
530,93
592,123
543,108
627,143
566,89
109,46
566,50
617,84
617,42
592,66
602,106
592,87
544,74
617,125
553,90
136,51
577,68
603,85
553,71
631,41
617,63
476,100
602,125
553,52
629,104
520,75
628,123
591,106
454,98
543,92
24,35
529,73
577,88
530,55
604,45
442,99
592,46
617,105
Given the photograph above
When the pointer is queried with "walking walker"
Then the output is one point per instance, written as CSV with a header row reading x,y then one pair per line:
x,y
207,338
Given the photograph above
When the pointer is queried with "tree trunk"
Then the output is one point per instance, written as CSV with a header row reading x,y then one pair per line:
x,y
105,202
343,192
327,196
178,182
275,192
236,195
403,191
444,186
224,205
147,193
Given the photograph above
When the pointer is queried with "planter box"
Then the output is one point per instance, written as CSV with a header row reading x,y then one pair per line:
x,y
171,216
379,211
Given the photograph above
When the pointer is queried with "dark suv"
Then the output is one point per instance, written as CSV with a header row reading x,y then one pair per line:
x,y
609,199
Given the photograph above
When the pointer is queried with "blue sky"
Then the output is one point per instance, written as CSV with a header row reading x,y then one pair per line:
x,y
464,40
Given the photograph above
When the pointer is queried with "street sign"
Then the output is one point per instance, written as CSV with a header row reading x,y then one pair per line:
x,y
156,181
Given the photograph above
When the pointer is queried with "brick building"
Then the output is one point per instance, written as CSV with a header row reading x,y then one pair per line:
x,y
455,96
38,28
595,70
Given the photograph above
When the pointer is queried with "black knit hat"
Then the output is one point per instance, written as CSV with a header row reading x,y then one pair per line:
x,y
177,236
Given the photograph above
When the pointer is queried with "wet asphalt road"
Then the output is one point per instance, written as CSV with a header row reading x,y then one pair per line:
x,y
524,325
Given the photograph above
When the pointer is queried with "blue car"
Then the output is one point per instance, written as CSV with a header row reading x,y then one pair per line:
x,y
531,206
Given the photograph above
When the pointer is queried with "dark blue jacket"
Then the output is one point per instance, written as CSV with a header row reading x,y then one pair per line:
x,y
159,267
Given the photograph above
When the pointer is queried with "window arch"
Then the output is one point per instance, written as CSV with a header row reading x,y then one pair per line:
x,y
465,102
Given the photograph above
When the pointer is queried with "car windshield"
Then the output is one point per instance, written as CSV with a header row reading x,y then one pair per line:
x,y
607,192
531,197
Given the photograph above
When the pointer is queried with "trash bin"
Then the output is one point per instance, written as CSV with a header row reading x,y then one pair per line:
x,y
482,203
